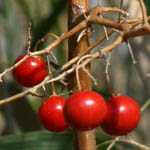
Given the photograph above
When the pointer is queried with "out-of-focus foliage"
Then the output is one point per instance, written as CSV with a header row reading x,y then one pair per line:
x,y
38,141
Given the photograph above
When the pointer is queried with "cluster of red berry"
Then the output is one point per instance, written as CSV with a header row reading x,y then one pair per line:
x,y
84,110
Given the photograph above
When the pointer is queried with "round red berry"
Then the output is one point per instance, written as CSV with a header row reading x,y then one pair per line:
x,y
85,110
123,115
30,72
51,114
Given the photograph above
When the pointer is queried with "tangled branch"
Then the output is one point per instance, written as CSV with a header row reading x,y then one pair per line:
x,y
127,29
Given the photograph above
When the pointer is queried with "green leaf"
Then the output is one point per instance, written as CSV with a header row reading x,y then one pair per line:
x,y
147,4
41,140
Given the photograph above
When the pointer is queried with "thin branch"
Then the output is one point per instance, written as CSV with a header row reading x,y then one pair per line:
x,y
120,11
13,67
51,76
120,15
43,39
13,98
65,73
144,12
77,70
91,19
131,142
93,45
107,74
113,143
131,52
145,105
29,38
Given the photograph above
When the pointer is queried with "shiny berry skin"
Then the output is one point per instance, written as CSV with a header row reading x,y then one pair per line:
x,y
123,115
85,110
51,114
30,72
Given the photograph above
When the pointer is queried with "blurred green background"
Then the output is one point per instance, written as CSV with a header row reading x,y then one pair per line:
x,y
19,125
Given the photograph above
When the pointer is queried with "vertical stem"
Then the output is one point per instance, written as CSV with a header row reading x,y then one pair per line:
x,y
82,140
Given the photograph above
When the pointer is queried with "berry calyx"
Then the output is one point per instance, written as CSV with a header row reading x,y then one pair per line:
x,y
85,110
51,114
123,115
30,72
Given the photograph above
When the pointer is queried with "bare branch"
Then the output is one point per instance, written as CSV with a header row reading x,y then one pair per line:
x,y
123,140
144,13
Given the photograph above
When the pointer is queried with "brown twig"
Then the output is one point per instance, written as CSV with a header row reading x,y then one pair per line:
x,y
123,140
131,52
89,20
126,29
51,76
144,13
107,74
43,39
113,143
13,67
29,38
65,73
121,6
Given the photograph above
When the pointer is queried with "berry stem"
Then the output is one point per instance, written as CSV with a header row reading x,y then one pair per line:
x,y
51,76
107,74
29,38
145,105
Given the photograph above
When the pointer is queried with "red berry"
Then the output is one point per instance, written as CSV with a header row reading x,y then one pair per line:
x,y
123,115
85,110
51,114
30,72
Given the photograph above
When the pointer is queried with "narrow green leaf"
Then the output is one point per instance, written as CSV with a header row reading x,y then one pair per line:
x,y
41,140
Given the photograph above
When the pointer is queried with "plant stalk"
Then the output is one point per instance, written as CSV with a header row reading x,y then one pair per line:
x,y
82,140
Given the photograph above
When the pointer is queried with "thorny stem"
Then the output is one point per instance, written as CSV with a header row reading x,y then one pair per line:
x,y
66,72
29,38
79,27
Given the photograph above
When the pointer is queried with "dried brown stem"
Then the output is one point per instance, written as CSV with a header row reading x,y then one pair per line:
x,y
107,74
90,20
127,33
13,67
117,10
43,39
113,143
144,13
131,52
51,76
29,38
121,6
131,142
